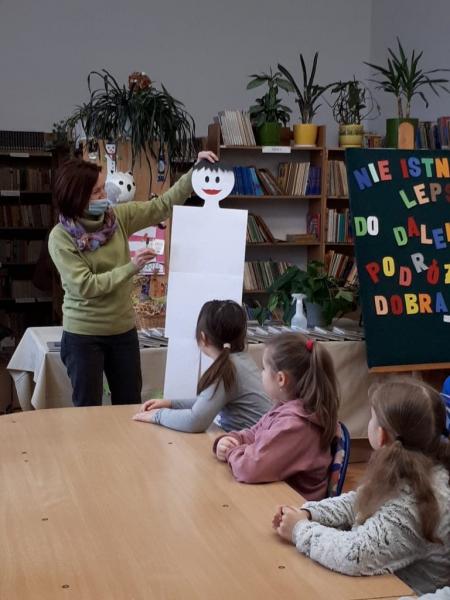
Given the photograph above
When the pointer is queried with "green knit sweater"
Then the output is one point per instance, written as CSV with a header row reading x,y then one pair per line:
x,y
97,285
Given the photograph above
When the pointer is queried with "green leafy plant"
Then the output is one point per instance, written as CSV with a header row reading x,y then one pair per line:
x,y
353,102
144,116
308,97
318,287
403,78
269,108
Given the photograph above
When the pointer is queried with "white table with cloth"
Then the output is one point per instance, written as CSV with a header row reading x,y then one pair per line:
x,y
41,380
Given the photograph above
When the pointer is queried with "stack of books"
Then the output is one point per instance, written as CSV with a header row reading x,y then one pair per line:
x,y
236,128
257,230
259,275
21,251
337,178
339,227
23,141
26,180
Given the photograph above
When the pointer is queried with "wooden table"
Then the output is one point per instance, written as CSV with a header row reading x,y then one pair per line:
x,y
96,506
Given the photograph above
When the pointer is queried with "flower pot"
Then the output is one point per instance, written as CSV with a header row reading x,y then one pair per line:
x,y
351,136
314,315
269,134
392,126
305,134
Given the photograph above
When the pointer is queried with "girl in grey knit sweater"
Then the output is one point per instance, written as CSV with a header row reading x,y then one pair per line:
x,y
398,521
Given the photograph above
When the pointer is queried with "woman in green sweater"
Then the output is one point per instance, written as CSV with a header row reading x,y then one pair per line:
x,y
89,247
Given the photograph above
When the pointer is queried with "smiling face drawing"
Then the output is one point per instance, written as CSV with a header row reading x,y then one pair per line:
x,y
212,182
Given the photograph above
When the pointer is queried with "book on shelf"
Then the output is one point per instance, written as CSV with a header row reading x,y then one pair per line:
x,y
372,140
23,215
20,251
28,179
339,226
23,141
301,238
342,267
23,290
299,178
313,224
257,230
236,128
269,183
337,178
259,275
247,182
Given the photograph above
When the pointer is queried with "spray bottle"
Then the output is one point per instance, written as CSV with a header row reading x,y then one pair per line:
x,y
299,319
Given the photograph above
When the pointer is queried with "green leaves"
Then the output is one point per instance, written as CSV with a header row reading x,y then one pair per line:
x,y
114,112
307,97
268,108
402,77
318,287
353,103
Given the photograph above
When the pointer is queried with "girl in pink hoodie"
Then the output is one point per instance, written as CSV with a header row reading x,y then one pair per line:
x,y
292,442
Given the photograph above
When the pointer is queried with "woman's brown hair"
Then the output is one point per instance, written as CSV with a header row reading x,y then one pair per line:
x,y
73,187
413,416
314,379
222,322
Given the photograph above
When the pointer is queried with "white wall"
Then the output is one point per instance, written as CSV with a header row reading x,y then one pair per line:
x,y
203,50
420,26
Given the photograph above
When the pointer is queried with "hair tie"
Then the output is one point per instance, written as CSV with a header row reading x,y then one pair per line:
x,y
398,438
309,345
227,345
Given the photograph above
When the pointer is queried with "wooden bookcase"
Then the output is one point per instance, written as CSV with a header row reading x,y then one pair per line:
x,y
26,216
282,214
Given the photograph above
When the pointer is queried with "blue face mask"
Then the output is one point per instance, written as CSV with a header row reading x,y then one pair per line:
x,y
98,208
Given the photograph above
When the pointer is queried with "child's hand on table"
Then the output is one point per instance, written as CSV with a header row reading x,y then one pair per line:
x,y
223,445
149,408
286,518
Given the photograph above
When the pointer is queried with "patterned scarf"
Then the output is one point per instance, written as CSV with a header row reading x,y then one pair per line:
x,y
90,241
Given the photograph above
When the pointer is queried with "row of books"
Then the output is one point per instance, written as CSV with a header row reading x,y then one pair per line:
x,y
259,275
27,180
22,141
236,128
337,178
25,215
299,179
257,230
339,226
20,251
248,182
342,267
433,135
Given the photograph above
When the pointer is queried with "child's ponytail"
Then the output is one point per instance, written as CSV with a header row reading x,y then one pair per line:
x,y
413,416
312,372
223,323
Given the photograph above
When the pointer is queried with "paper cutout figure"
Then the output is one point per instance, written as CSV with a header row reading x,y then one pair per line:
x,y
120,187
207,255
212,182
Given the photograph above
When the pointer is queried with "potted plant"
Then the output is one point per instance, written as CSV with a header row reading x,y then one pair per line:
x,y
326,299
403,78
269,114
152,120
305,134
353,103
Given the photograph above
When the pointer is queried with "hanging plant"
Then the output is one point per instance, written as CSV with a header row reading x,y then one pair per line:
x,y
139,113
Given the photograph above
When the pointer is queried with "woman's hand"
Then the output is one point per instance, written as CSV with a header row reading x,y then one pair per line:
x,y
142,257
206,155
286,518
225,444
145,417
154,404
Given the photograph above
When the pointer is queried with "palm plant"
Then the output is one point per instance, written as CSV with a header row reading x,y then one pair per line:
x,y
143,116
268,108
309,96
403,78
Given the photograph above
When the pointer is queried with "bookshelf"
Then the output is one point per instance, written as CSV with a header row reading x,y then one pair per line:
x,y
286,215
338,245
26,216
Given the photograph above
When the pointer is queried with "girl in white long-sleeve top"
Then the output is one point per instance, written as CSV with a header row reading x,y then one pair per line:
x,y
398,521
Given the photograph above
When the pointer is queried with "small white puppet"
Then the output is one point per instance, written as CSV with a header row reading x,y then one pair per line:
x,y
207,256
